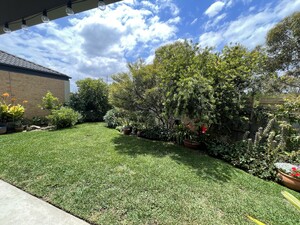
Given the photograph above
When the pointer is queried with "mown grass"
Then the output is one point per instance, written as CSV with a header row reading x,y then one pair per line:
x,y
107,178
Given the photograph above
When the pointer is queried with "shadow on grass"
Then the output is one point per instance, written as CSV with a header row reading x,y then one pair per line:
x,y
205,166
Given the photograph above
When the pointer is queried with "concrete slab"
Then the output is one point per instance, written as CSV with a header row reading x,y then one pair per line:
x,y
20,208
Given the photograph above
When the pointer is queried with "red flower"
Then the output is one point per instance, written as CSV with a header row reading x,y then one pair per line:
x,y
203,129
294,168
297,174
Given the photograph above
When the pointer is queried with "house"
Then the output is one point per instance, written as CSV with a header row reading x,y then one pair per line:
x,y
25,80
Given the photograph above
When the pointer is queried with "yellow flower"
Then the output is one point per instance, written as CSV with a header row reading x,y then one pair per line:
x,y
16,111
13,99
25,101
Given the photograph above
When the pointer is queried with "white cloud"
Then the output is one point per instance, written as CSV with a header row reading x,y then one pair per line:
x,y
252,8
229,3
287,7
175,20
250,30
211,39
153,7
168,4
129,2
220,17
214,9
247,1
96,43
150,59
214,22
194,21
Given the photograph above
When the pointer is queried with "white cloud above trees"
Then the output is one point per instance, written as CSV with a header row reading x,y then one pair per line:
x,y
214,8
250,29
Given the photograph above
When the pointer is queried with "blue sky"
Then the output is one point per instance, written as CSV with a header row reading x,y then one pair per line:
x,y
100,43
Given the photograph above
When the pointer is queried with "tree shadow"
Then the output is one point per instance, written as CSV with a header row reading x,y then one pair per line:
x,y
205,166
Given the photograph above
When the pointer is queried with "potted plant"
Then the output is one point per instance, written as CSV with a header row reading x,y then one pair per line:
x,y
126,129
289,175
195,136
3,128
18,126
3,113
191,143
139,127
10,112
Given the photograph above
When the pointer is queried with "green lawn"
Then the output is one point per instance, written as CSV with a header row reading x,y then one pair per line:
x,y
107,178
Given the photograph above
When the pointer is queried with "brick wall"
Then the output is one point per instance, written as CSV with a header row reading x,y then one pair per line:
x,y
31,88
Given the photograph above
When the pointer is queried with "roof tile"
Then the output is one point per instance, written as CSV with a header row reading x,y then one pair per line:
x,y
14,61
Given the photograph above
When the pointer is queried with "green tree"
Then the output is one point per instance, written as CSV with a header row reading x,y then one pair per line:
x,y
91,100
283,44
238,74
138,91
121,91
148,95
185,80
184,73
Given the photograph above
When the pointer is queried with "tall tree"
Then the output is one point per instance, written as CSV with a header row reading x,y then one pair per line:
x,y
91,100
184,72
138,91
283,44
238,75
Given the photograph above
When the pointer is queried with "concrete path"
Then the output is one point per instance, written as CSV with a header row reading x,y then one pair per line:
x,y
20,208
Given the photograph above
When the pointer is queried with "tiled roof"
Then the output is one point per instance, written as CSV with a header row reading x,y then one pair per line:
x,y
14,61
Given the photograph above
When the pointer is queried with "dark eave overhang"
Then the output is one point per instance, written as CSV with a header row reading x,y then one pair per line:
x,y
13,11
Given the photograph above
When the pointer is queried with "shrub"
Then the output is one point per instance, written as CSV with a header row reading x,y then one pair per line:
x,y
288,116
112,118
50,102
157,133
91,100
64,117
39,121
179,134
258,156
257,163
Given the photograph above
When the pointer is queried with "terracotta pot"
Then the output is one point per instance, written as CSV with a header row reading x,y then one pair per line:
x,y
126,131
191,144
289,181
19,129
139,133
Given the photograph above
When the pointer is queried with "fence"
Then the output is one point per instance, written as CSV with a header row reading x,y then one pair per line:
x,y
270,101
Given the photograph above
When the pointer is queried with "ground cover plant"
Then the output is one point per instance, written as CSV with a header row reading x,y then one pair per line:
x,y
105,177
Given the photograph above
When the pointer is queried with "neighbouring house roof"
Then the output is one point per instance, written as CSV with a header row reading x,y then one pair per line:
x,y
13,63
